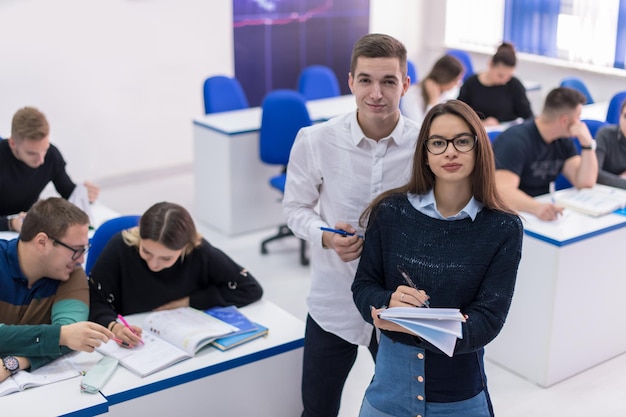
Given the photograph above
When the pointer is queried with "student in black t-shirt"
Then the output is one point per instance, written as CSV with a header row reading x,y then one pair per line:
x,y
531,155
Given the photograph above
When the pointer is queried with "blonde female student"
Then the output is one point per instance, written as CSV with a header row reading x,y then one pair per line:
x,y
451,232
163,264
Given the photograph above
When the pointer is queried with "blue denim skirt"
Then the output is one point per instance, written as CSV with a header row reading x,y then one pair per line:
x,y
397,389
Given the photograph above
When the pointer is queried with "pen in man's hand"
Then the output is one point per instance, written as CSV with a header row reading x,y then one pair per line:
x,y
552,191
125,323
339,232
410,282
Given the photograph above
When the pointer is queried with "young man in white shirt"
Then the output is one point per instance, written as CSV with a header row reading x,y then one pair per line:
x,y
335,170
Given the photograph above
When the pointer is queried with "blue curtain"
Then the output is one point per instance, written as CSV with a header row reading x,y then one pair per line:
x,y
531,25
620,45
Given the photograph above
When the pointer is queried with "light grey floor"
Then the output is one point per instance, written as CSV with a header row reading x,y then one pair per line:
x,y
600,391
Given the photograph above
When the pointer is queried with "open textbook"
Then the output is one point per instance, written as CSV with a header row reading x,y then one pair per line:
x,y
439,326
169,337
58,370
596,201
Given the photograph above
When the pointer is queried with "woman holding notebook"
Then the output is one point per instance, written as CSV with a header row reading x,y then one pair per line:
x,y
163,264
444,240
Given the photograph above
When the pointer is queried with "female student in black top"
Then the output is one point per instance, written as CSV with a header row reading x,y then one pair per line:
x,y
611,152
163,264
496,95
451,232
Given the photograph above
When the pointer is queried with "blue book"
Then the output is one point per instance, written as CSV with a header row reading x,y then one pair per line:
x,y
228,342
234,317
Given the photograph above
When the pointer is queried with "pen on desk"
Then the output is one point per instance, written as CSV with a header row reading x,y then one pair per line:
x,y
125,323
410,282
339,232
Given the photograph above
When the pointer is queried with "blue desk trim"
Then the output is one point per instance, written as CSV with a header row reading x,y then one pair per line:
x,y
238,132
204,372
561,243
95,410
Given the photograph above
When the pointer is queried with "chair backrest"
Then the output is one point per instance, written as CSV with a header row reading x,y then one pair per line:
x,y
561,182
612,114
593,125
465,59
104,233
493,134
577,84
411,71
318,81
223,93
284,113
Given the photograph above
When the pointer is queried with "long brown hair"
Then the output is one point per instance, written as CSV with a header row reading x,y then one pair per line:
x,y
423,179
445,70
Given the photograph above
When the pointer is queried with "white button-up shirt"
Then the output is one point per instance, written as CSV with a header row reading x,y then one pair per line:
x,y
334,172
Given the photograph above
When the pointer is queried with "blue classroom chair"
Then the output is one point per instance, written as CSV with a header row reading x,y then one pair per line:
x,y
223,93
284,114
318,81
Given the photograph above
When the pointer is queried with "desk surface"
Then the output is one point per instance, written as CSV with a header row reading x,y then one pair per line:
x,y
100,212
571,227
249,120
595,111
286,333
58,399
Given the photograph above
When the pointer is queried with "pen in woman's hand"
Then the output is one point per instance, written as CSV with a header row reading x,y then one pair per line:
x,y
410,282
125,323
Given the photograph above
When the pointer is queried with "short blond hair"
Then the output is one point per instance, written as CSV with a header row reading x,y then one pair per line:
x,y
29,123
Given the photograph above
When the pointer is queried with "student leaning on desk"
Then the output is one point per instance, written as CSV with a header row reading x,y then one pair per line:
x,y
28,162
531,155
43,289
163,264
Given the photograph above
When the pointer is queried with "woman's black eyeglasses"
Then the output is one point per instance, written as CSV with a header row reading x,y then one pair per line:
x,y
462,143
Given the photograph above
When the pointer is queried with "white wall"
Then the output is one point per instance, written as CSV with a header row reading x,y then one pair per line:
x,y
119,80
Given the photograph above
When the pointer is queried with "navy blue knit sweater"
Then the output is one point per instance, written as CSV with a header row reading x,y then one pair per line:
x,y
465,264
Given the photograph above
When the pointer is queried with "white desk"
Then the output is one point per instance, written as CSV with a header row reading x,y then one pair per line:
x,y
232,192
58,399
100,212
595,111
260,378
567,310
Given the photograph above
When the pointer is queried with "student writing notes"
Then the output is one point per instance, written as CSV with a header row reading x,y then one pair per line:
x,y
452,234
163,264
495,94
531,155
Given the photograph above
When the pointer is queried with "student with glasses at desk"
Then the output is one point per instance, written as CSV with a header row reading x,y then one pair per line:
x,y
451,233
44,298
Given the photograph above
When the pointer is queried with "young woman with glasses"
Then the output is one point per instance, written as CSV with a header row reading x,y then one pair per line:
x,y
451,233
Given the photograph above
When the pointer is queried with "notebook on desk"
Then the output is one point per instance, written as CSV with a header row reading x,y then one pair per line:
x,y
596,201
169,336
